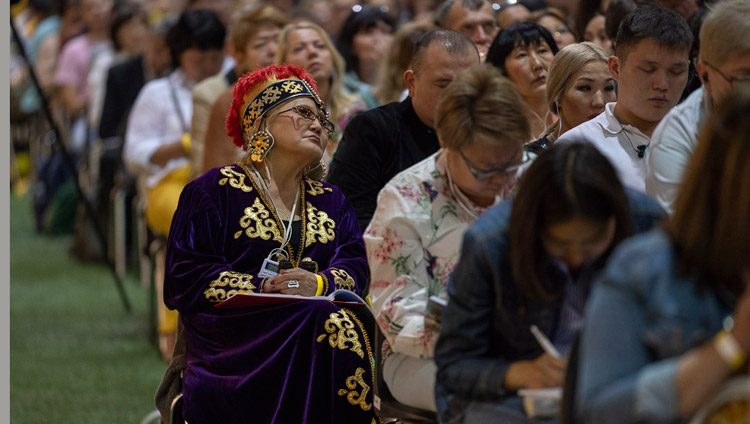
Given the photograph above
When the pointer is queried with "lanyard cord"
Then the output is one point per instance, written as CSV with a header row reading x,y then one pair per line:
x,y
640,149
287,227
183,122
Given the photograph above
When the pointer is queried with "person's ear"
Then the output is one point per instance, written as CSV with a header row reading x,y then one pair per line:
x,y
700,68
614,65
411,81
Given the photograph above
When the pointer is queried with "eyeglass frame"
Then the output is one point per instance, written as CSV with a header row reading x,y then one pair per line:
x,y
526,157
324,122
731,80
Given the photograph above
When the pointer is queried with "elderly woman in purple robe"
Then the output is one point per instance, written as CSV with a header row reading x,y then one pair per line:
x,y
267,225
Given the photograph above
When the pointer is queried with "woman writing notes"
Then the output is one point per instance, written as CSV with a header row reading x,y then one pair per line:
x,y
528,262
283,363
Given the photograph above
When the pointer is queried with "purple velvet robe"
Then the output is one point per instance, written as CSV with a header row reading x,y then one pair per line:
x,y
302,362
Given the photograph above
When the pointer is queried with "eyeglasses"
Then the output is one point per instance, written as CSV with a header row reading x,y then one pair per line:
x,y
308,114
480,175
731,80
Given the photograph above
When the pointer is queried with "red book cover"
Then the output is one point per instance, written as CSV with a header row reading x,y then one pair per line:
x,y
266,299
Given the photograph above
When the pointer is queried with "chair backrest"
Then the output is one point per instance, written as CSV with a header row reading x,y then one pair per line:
x,y
567,406
386,406
175,412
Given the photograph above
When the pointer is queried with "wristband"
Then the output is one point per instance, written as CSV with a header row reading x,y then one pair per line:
x,y
320,285
729,350
186,145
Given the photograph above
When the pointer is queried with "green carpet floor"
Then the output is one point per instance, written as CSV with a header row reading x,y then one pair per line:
x,y
75,355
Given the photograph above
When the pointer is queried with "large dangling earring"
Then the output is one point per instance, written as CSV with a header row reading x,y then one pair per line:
x,y
259,145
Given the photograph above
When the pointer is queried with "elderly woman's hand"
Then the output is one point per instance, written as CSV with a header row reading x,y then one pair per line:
x,y
284,282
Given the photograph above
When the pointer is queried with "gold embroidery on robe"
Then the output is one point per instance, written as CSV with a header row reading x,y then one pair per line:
x,y
239,282
340,328
354,397
342,279
366,339
264,228
319,226
235,179
316,188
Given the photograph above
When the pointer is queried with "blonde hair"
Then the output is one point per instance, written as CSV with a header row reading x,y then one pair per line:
x,y
248,21
710,226
481,102
724,32
391,76
567,62
340,102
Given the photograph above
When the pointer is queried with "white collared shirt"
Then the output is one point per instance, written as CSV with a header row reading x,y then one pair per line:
x,y
154,121
674,141
619,143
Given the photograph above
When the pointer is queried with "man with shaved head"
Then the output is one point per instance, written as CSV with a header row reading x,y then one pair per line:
x,y
381,142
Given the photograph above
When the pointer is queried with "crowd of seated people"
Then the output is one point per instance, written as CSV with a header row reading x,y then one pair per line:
x,y
517,195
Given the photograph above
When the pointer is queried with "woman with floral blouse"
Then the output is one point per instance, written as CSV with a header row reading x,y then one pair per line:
x,y
413,241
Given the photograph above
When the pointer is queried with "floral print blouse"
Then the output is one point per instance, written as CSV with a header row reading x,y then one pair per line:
x,y
413,244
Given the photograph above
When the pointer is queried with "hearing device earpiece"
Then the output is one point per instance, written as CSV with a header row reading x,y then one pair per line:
x,y
705,77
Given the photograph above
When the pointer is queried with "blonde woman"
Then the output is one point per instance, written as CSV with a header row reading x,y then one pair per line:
x,y
390,86
579,84
307,45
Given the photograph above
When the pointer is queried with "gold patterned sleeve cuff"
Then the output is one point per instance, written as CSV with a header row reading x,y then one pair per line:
x,y
342,279
227,285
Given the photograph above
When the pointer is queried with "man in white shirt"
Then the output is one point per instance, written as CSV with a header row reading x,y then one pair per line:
x,y
651,67
723,64
157,139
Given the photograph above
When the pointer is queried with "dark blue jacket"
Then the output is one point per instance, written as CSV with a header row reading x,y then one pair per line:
x,y
485,326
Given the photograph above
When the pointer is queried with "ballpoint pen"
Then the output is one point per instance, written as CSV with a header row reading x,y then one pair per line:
x,y
545,343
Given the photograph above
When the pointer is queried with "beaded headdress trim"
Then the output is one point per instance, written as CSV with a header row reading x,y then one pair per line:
x,y
274,95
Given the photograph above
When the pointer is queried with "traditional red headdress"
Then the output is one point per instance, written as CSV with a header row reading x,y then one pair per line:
x,y
258,92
